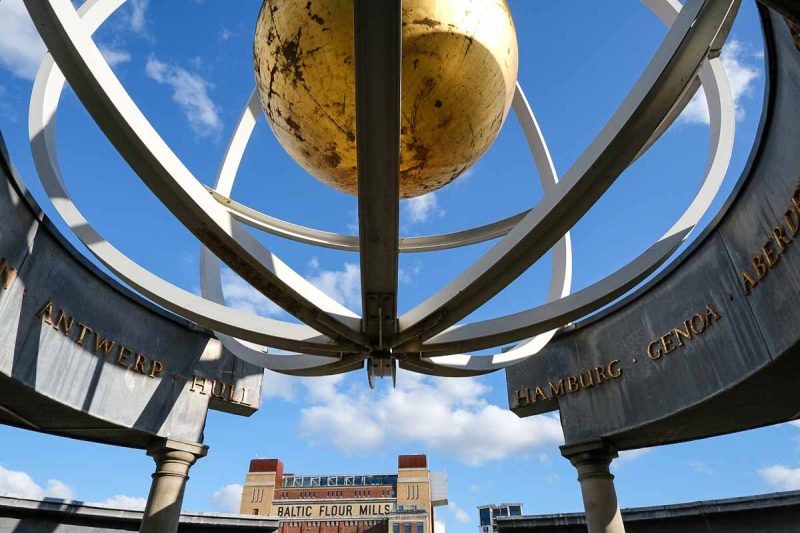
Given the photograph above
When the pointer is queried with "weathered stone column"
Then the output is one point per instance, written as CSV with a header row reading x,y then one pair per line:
x,y
592,460
173,460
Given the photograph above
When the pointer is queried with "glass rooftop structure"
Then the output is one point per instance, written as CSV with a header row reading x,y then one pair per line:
x,y
290,481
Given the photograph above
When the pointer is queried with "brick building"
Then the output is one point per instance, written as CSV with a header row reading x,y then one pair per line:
x,y
401,502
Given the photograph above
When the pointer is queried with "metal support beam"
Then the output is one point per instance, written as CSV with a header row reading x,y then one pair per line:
x,y
379,50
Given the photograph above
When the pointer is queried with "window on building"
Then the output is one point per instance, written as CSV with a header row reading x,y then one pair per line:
x,y
395,528
255,511
485,518
420,527
407,527
495,512
516,510
504,511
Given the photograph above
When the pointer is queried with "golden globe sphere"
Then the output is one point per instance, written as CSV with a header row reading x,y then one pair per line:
x,y
460,62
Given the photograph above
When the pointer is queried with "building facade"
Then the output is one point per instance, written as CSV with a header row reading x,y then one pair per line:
x,y
489,513
401,502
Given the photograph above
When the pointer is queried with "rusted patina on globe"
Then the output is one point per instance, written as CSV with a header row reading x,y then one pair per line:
x,y
460,62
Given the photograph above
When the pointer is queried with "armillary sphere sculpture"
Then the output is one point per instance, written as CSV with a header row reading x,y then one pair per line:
x,y
387,99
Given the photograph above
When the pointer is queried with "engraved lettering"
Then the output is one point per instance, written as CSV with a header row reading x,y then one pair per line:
x,y
122,356
523,396
792,219
653,352
102,344
572,384
218,394
666,343
748,282
681,334
769,254
139,363
539,395
556,391
781,239
614,374
760,267
243,401
63,320
198,382
693,323
84,329
156,368
46,313
600,373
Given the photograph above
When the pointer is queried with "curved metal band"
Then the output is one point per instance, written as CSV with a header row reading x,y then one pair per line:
x,y
349,243
155,163
497,331
326,239
211,277
561,278
701,27
44,102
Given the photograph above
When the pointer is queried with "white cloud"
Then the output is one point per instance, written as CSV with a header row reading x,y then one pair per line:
x,y
21,48
120,501
629,456
701,468
406,276
114,56
20,484
138,15
228,498
191,92
459,514
450,416
240,295
59,489
795,423
344,285
423,208
277,385
741,74
781,477
549,479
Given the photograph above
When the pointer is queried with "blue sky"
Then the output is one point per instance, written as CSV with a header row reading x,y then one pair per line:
x,y
188,64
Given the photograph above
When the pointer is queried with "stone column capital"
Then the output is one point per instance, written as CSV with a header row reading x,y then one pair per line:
x,y
591,459
171,446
